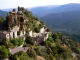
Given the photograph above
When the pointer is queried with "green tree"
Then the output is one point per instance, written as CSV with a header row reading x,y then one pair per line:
x,y
27,32
4,52
51,57
55,36
1,19
50,39
17,41
21,56
58,41
8,44
31,52
66,55
36,29
29,40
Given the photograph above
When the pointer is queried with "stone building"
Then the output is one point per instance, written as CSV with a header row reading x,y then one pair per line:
x,y
41,36
3,34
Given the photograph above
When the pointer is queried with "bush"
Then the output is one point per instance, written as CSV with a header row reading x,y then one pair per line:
x,y
58,41
55,36
66,55
1,19
4,52
31,52
29,40
62,49
50,39
27,32
17,41
36,29
8,44
21,56
75,49
51,57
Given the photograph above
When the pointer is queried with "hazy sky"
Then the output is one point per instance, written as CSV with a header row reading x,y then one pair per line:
x,y
31,3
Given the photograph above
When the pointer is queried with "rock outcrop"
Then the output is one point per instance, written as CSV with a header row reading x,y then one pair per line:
x,y
16,19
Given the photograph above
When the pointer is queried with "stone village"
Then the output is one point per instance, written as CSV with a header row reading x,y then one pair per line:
x,y
15,21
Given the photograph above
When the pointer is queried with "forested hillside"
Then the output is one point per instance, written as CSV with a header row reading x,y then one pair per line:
x,y
67,22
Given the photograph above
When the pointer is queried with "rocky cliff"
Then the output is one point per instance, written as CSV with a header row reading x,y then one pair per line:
x,y
23,19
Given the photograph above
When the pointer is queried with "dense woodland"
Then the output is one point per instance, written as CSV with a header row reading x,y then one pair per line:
x,y
67,22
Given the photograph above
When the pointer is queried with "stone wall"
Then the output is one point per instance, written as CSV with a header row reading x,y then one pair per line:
x,y
30,33
11,34
15,34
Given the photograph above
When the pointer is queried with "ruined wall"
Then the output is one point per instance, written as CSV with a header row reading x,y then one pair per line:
x,y
30,33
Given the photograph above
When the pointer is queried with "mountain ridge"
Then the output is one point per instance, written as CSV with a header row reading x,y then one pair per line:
x,y
41,11
57,9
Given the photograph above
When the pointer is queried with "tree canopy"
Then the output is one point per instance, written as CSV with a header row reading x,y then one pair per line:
x,y
4,52
17,41
21,56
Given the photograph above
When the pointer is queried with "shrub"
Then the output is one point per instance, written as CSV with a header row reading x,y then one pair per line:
x,y
31,52
27,32
51,57
17,41
36,29
21,56
1,19
50,39
55,36
4,52
29,40
8,44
